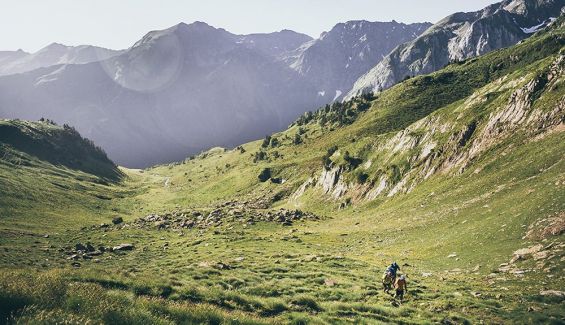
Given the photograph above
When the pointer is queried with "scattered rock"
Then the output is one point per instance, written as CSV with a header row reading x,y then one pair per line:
x,y
222,266
204,264
541,255
547,227
117,220
80,247
554,293
524,252
123,247
329,282
245,213
452,255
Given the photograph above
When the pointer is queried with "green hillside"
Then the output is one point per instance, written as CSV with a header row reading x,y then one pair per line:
x,y
459,176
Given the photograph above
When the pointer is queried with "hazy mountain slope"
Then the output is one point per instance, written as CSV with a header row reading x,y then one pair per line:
x,y
53,54
339,57
175,92
7,57
178,91
458,37
275,44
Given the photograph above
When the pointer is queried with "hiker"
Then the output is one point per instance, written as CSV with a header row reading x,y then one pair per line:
x,y
401,287
392,269
388,281
389,277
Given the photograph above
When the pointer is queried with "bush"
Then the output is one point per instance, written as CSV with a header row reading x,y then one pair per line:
x,y
266,142
362,178
326,161
265,175
259,156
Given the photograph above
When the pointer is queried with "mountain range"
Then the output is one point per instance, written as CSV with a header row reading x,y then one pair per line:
x,y
181,90
457,175
459,37
12,62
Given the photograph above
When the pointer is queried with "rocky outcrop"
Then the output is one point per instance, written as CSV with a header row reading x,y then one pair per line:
x,y
518,113
443,144
459,37
332,183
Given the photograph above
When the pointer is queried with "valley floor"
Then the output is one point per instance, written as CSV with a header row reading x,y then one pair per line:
x,y
229,262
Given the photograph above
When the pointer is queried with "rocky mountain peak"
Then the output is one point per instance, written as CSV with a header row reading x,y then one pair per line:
x,y
458,37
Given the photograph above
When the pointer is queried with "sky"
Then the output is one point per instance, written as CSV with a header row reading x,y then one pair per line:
x,y
117,24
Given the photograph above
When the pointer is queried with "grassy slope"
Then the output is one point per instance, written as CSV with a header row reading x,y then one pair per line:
x,y
480,217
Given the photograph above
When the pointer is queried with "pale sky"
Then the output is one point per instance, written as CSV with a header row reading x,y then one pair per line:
x,y
117,24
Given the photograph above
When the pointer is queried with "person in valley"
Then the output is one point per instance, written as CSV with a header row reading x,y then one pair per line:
x,y
389,277
401,287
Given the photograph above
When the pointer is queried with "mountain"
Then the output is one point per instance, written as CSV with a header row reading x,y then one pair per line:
x,y
459,37
190,87
339,57
275,44
173,93
54,54
22,143
458,176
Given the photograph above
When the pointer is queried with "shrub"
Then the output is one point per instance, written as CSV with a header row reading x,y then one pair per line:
x,y
362,178
266,142
265,175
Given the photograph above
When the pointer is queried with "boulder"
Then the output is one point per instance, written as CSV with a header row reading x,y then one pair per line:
x,y
123,247
554,293
222,266
90,248
528,251
117,220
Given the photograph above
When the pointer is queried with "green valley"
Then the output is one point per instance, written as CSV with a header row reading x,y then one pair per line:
x,y
459,176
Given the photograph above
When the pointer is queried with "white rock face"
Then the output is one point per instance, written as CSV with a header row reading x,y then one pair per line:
x,y
440,144
459,37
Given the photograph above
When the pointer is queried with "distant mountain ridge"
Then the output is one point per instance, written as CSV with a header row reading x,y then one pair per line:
x,y
20,61
335,60
184,89
459,37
